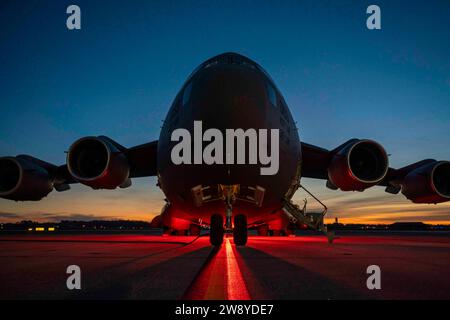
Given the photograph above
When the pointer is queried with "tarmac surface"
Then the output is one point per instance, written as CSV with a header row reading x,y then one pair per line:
x,y
142,266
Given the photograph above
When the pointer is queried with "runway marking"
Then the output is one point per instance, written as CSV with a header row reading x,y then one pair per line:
x,y
236,287
220,277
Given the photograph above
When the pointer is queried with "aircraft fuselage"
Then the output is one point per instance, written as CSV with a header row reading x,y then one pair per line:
x,y
227,92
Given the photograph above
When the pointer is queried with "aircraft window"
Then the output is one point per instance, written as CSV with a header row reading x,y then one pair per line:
x,y
187,94
211,64
248,65
271,94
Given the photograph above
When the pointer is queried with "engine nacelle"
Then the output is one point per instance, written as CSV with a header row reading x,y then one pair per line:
x,y
23,180
358,165
428,184
98,162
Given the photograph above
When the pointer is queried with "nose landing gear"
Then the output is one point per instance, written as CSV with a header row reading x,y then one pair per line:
x,y
217,230
239,227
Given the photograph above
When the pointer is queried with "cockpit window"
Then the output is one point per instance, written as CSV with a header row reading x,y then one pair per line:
x,y
213,63
271,95
187,94
250,65
229,59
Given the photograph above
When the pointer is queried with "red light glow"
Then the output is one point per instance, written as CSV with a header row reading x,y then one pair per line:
x,y
236,288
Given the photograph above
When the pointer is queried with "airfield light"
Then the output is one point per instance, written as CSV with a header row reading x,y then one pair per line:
x,y
51,229
40,229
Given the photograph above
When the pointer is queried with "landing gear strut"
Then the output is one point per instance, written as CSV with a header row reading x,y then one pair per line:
x,y
240,230
216,231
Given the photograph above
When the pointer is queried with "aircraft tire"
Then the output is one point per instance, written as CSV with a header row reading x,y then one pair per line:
x,y
216,230
240,230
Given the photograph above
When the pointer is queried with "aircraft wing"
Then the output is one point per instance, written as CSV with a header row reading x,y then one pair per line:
x,y
359,164
98,162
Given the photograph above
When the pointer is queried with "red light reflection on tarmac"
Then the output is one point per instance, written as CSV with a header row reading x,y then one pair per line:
x,y
220,279
236,287
302,267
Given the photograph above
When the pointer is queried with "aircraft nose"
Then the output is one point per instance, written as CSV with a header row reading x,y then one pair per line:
x,y
230,96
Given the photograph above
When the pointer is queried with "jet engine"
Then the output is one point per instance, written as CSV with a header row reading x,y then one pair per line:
x,y
358,165
22,179
428,184
98,162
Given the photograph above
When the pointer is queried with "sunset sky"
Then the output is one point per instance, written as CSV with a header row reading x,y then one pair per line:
x,y
118,75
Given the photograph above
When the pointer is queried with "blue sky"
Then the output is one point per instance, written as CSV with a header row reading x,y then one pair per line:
x,y
117,76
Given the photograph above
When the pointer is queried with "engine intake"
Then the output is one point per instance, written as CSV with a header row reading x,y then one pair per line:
x,y
23,180
358,165
428,184
98,162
